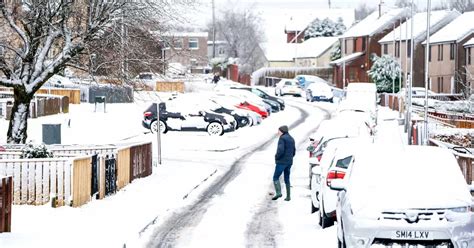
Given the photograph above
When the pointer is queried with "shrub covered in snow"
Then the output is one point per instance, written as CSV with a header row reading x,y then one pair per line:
x,y
446,106
458,139
31,150
384,72
325,28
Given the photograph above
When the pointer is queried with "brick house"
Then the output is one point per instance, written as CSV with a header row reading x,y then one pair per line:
x,y
447,55
188,49
392,46
361,41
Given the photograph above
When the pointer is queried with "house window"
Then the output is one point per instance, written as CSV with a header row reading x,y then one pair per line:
x,y
354,45
440,84
440,52
409,48
429,54
193,43
397,49
364,40
178,43
469,56
352,74
385,48
345,46
451,51
193,62
221,51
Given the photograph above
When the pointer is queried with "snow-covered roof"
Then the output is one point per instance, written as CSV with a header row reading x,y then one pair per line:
x,y
279,51
457,30
218,42
438,20
299,21
469,42
347,58
372,24
315,47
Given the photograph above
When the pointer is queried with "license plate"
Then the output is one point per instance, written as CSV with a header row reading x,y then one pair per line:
x,y
412,235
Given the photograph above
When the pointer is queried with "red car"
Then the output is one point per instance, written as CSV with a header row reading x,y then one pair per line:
x,y
256,109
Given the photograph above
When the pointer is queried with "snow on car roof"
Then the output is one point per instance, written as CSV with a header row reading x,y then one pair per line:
x,y
386,177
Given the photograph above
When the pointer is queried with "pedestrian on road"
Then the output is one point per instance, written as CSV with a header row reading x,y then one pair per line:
x,y
216,78
283,160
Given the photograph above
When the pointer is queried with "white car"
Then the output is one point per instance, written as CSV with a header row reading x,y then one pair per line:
x,y
231,102
334,164
404,196
319,92
288,87
358,106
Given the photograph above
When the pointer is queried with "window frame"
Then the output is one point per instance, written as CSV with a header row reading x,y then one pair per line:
x,y
194,40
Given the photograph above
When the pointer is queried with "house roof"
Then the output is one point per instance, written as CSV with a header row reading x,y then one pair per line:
x,y
457,30
299,21
470,42
279,51
372,24
347,58
315,47
438,19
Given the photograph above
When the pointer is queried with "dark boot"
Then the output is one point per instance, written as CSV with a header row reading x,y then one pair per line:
x,y
277,190
287,192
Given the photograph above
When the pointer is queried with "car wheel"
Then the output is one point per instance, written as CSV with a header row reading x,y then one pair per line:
x,y
313,208
324,221
215,129
154,127
249,122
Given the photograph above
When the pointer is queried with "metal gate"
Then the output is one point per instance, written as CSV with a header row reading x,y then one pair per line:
x,y
110,175
95,176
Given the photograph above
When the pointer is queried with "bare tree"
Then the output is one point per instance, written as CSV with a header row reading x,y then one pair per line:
x,y
462,5
47,35
362,11
403,3
242,32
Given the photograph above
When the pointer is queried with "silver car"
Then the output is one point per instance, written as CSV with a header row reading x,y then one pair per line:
x,y
404,197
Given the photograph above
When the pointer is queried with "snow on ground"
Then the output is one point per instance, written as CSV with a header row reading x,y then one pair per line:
x,y
191,161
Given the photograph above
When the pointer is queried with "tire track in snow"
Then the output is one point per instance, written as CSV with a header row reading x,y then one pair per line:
x,y
169,232
265,228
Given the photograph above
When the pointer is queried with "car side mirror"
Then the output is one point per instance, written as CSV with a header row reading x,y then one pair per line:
x,y
338,185
316,170
202,113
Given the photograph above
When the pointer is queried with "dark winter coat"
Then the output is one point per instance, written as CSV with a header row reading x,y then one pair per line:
x,y
286,150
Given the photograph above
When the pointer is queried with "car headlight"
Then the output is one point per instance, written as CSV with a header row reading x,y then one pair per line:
x,y
460,209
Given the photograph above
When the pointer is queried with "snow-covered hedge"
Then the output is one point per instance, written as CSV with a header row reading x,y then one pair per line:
x,y
31,150
454,106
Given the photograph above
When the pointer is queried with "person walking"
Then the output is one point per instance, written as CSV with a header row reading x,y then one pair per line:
x,y
283,161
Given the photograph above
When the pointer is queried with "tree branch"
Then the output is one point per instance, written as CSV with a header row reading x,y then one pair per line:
x,y
17,29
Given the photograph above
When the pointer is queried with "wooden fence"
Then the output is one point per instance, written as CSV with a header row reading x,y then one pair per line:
x,y
35,181
6,190
170,86
68,178
43,106
74,95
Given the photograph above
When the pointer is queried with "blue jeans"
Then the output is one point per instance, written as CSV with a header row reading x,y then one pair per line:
x,y
282,168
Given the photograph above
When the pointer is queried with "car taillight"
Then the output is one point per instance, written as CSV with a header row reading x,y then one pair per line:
x,y
319,157
147,114
334,175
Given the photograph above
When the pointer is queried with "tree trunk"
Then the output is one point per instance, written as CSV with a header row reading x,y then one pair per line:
x,y
19,117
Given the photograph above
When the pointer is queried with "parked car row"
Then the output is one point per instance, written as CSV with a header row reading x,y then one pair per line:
x,y
381,195
314,88
225,110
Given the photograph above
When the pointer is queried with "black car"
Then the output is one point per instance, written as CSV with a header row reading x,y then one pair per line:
x,y
273,101
213,123
242,120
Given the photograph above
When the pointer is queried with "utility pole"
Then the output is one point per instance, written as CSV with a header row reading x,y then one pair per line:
x,y
380,8
329,3
343,51
411,75
213,30
400,73
427,79
394,56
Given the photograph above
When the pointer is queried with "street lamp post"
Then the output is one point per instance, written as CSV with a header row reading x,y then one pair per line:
x,y
425,134
409,130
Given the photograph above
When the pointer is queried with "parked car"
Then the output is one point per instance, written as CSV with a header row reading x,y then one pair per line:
x,y
407,196
186,118
262,94
359,106
416,92
288,86
341,127
241,103
334,164
249,99
319,92
233,103
305,80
